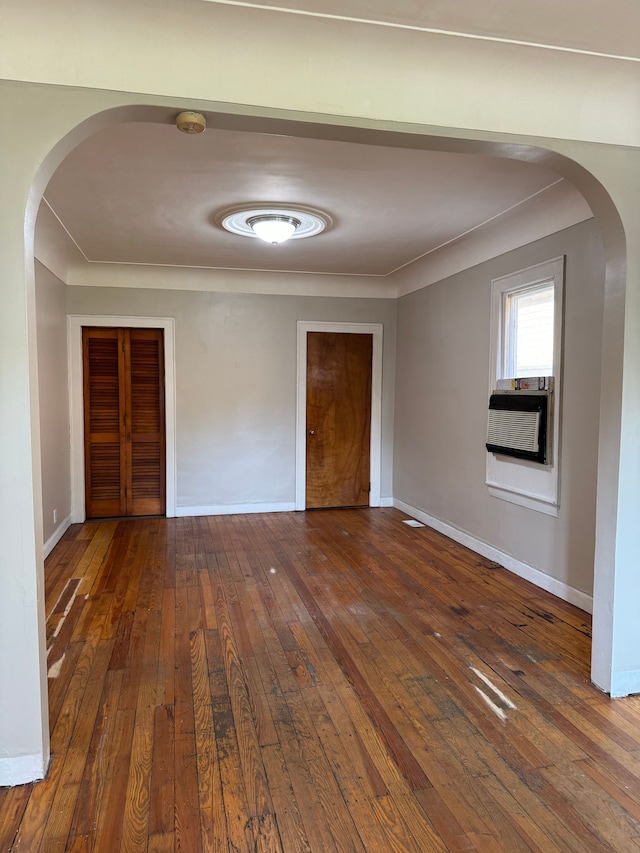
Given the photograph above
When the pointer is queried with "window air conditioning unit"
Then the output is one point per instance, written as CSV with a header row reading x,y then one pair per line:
x,y
518,424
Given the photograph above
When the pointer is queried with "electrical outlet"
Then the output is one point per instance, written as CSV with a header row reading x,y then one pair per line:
x,y
55,516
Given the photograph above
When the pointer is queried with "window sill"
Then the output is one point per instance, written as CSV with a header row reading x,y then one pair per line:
x,y
538,503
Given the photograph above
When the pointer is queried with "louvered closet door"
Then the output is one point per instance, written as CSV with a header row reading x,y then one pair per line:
x,y
124,422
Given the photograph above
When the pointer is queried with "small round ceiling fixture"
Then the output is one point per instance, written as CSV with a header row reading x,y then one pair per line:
x,y
274,224
190,122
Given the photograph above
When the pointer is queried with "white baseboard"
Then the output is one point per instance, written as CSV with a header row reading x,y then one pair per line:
x,y
242,509
233,509
56,536
535,576
22,769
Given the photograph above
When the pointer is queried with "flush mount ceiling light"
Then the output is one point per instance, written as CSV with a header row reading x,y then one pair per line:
x,y
274,224
190,122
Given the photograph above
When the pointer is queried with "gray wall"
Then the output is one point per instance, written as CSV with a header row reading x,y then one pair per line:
x,y
54,399
236,384
442,377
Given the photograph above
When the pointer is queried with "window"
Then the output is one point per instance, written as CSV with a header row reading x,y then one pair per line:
x,y
526,341
527,331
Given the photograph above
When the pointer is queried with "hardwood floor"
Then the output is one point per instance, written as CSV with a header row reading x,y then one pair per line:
x,y
320,681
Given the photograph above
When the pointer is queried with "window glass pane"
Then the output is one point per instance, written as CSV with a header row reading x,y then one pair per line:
x,y
528,332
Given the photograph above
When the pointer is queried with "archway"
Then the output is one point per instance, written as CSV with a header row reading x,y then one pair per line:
x,y
71,129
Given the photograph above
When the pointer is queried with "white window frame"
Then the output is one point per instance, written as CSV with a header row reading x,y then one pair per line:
x,y
519,481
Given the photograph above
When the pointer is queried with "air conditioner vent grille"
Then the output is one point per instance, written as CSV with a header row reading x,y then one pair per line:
x,y
518,430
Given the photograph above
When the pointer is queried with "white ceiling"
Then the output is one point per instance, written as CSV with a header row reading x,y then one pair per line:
x,y
143,193
593,26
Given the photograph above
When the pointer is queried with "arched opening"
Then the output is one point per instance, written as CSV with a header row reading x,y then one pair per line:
x,y
420,139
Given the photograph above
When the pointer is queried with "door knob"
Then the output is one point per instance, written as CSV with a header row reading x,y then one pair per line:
x,y
312,432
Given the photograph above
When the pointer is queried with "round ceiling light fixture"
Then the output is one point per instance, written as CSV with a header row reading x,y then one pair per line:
x,y
273,224
190,122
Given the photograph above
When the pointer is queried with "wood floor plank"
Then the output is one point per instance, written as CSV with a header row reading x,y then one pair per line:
x,y
135,825
98,766
162,791
213,824
287,812
165,687
108,832
59,686
67,792
403,757
445,821
186,812
609,822
385,768
162,843
236,807
255,783
627,796
260,708
13,802
376,818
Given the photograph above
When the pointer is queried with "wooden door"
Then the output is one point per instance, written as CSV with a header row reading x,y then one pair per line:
x,y
338,419
124,422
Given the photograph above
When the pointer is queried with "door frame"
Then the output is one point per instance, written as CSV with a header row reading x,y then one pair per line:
x,y
375,450
75,322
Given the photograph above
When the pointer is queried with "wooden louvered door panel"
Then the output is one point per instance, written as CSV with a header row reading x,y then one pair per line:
x,y
124,422
104,435
145,423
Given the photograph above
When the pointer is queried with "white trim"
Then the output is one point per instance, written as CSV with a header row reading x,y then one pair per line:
x,y
375,330
22,769
232,509
75,322
56,536
386,501
523,570
523,498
